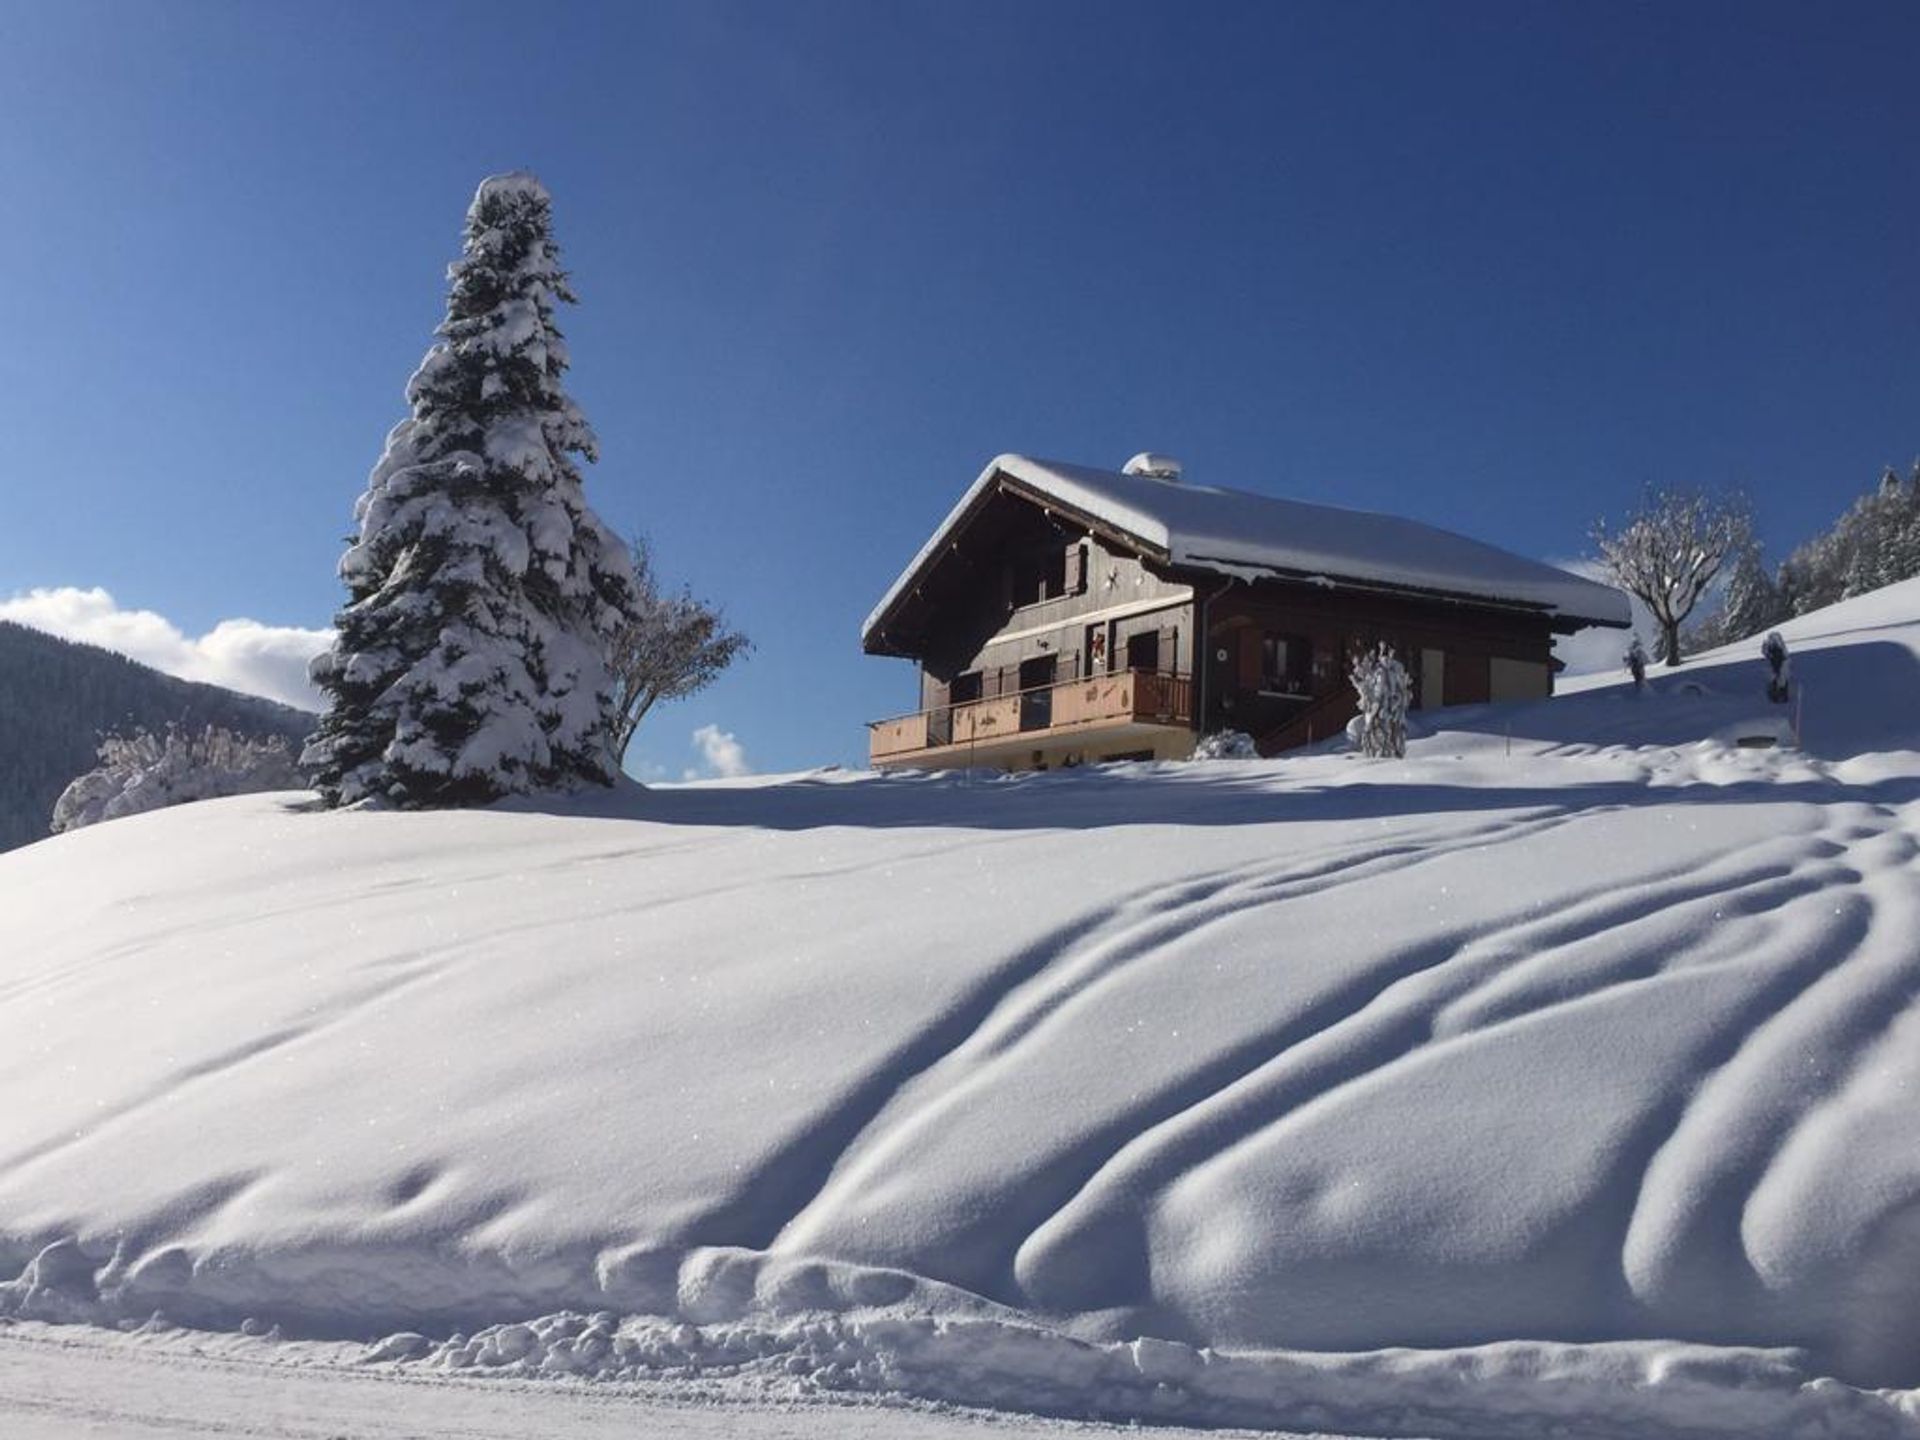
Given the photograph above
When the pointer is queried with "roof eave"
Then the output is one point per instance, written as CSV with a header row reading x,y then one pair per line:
x,y
994,479
1560,621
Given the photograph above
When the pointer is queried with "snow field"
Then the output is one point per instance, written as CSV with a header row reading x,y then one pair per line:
x,y
1561,1074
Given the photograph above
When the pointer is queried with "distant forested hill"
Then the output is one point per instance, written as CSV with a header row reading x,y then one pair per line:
x,y
58,698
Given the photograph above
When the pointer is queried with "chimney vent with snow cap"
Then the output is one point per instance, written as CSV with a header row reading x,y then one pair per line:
x,y
1160,467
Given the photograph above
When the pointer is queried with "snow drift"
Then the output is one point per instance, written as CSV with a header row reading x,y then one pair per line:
x,y
1579,1047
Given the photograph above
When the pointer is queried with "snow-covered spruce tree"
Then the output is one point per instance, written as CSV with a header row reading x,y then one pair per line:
x,y
471,658
1875,543
1752,601
1385,690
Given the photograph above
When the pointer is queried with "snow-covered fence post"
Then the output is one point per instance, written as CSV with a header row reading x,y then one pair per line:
x,y
1385,690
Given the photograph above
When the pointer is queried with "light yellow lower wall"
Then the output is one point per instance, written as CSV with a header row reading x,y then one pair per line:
x,y
1178,746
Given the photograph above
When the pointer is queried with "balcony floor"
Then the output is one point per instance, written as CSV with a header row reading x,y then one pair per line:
x,y
1054,741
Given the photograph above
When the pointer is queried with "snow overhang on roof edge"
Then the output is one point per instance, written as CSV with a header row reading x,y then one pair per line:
x,y
1301,540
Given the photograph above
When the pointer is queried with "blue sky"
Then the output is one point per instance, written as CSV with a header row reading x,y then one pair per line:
x,y
1494,266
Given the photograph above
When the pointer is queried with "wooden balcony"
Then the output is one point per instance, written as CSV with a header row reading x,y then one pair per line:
x,y
1123,704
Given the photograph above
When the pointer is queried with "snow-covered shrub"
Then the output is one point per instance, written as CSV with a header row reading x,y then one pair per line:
x,y
1385,691
483,593
1780,666
1226,745
1636,658
142,771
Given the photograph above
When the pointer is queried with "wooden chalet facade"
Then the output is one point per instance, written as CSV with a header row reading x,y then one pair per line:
x,y
1062,615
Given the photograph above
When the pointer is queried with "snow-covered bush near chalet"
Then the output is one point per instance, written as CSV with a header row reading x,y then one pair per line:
x,y
471,658
1385,691
143,771
1636,659
1779,666
1226,745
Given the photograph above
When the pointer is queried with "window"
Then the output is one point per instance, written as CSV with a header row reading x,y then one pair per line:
x,y
1286,664
1036,699
1039,575
1047,574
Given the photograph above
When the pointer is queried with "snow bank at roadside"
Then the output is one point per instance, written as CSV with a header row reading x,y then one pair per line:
x,y
803,1329
1512,1389
1580,1046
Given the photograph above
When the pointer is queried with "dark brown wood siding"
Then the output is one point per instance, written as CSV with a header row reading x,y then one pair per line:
x,y
1338,625
1109,597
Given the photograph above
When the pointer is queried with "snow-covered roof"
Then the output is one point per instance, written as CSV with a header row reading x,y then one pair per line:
x,y
1233,532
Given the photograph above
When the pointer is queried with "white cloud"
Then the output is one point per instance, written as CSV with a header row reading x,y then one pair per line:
x,y
721,755
243,655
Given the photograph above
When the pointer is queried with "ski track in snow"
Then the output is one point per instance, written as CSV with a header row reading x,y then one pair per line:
x,y
1575,1045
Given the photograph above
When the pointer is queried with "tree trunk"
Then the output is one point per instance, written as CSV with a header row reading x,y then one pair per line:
x,y
1670,630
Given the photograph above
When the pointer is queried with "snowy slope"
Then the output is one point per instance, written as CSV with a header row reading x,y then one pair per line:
x,y
1578,1051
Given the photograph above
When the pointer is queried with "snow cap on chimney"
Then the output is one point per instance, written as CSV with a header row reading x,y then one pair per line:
x,y
1160,467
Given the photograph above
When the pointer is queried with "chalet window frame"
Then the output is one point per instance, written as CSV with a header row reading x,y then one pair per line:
x,y
1049,573
1293,675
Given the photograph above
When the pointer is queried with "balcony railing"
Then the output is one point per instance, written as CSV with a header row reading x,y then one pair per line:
x,y
1151,697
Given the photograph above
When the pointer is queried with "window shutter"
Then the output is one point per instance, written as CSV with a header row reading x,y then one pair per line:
x,y
1169,648
1076,569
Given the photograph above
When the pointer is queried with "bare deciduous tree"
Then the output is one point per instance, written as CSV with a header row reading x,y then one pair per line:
x,y
676,646
1669,551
